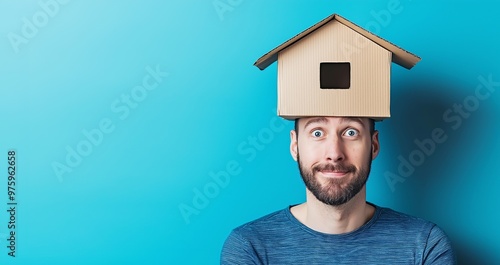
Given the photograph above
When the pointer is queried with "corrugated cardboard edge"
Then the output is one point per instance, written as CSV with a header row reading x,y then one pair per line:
x,y
294,117
400,56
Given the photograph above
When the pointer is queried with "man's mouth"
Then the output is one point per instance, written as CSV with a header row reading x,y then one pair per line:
x,y
334,171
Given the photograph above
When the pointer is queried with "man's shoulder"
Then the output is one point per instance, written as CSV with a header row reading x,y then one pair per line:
x,y
428,237
265,223
399,223
248,242
390,217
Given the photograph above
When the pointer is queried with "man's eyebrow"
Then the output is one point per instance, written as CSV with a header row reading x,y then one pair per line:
x,y
352,119
316,120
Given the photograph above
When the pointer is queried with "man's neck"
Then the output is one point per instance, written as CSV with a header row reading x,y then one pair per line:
x,y
334,219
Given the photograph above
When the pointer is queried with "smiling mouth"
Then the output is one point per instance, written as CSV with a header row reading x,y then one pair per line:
x,y
333,173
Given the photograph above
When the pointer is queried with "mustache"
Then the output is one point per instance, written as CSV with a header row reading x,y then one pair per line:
x,y
334,167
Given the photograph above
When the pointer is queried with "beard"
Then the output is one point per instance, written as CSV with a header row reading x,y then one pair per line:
x,y
335,191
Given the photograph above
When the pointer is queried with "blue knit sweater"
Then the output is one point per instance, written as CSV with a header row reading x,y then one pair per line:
x,y
389,237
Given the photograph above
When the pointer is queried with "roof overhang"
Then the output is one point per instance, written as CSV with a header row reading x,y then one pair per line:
x,y
400,56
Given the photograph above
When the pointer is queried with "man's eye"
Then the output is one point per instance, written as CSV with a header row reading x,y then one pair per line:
x,y
351,132
317,133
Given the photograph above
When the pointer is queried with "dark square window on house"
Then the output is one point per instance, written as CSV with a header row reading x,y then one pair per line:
x,y
335,75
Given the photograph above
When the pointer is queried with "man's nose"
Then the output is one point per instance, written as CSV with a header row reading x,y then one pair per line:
x,y
335,150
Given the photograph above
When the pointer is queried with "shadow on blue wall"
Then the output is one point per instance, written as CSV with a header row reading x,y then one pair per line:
x,y
434,179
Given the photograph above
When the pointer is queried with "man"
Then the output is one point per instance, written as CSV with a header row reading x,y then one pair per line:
x,y
336,225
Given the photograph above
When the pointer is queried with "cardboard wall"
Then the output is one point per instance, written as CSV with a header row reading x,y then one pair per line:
x,y
299,75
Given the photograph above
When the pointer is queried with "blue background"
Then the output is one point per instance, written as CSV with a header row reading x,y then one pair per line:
x,y
214,111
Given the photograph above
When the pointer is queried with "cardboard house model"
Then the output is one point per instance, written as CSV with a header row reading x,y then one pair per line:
x,y
335,68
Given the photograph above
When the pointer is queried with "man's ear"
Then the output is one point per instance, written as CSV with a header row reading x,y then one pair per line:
x,y
375,145
293,144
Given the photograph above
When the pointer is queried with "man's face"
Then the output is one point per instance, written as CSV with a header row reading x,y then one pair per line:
x,y
334,156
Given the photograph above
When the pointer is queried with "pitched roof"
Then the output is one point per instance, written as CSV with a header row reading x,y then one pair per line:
x,y
400,56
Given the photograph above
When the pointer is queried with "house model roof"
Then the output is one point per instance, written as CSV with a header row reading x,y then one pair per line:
x,y
400,56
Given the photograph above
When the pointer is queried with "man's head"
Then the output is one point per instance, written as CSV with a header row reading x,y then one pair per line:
x,y
334,155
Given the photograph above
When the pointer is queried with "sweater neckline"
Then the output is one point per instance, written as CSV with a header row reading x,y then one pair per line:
x,y
355,232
